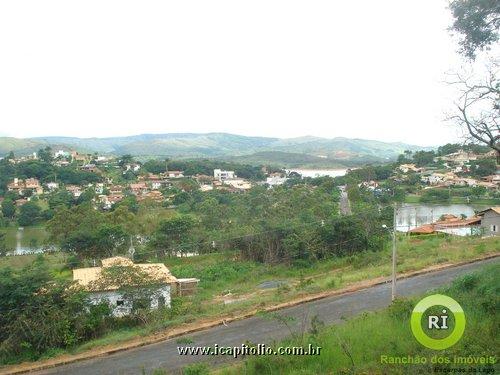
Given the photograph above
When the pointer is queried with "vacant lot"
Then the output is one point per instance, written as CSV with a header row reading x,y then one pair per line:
x,y
230,286
358,345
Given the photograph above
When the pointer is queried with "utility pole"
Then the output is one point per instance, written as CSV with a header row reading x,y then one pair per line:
x,y
393,292
131,249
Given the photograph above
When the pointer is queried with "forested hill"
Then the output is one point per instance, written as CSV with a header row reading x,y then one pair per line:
x,y
212,145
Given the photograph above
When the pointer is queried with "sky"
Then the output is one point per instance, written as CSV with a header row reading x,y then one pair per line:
x,y
364,69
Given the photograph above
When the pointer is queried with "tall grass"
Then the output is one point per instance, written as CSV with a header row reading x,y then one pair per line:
x,y
356,346
224,273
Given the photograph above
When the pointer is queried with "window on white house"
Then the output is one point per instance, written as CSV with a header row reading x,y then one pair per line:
x,y
494,228
119,302
161,301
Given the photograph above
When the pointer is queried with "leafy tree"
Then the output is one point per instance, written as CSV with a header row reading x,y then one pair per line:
x,y
87,196
125,159
7,173
181,198
435,195
35,168
103,241
8,208
483,167
129,176
155,166
3,244
423,158
67,221
29,214
130,201
172,232
38,313
60,198
69,175
477,22
479,191
448,148
45,154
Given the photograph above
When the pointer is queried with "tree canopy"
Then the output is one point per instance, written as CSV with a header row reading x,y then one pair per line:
x,y
477,22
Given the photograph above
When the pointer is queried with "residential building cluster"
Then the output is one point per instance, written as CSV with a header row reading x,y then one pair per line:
x,y
457,170
143,185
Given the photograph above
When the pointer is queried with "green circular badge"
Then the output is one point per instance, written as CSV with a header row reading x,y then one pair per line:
x,y
438,322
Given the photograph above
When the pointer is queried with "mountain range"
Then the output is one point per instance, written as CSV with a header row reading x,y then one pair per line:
x,y
283,151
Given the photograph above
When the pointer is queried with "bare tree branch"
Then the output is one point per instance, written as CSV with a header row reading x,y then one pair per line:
x,y
479,108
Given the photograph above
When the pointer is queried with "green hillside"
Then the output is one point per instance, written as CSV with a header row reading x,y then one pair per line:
x,y
290,160
293,151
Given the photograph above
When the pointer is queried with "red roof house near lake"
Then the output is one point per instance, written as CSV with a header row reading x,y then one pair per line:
x,y
447,222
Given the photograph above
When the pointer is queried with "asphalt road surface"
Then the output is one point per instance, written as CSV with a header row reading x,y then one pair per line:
x,y
330,310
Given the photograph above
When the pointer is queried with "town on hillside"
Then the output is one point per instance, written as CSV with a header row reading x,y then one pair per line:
x,y
34,187
143,241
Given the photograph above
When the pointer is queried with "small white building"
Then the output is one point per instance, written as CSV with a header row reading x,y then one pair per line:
x,y
205,188
238,183
405,168
134,167
174,174
275,180
61,153
91,280
223,175
99,188
52,186
156,185
75,190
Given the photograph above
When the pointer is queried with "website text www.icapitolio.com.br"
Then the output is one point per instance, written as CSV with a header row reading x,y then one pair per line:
x,y
248,350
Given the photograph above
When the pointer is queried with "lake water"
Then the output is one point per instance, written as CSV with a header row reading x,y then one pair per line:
x,y
413,215
34,240
319,172
28,240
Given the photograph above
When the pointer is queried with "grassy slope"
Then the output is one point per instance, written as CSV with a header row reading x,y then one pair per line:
x,y
367,337
221,273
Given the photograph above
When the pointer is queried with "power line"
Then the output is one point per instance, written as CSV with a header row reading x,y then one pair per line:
x,y
209,243
183,246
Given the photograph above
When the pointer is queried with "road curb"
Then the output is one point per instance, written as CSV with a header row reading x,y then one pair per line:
x,y
180,331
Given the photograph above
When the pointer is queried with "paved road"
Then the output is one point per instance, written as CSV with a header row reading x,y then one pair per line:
x,y
259,330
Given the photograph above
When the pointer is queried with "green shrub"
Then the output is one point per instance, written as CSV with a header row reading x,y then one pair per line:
x,y
400,309
467,282
196,369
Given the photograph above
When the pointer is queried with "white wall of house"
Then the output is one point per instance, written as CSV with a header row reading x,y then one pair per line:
x,y
223,175
155,185
275,180
123,307
238,183
491,223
